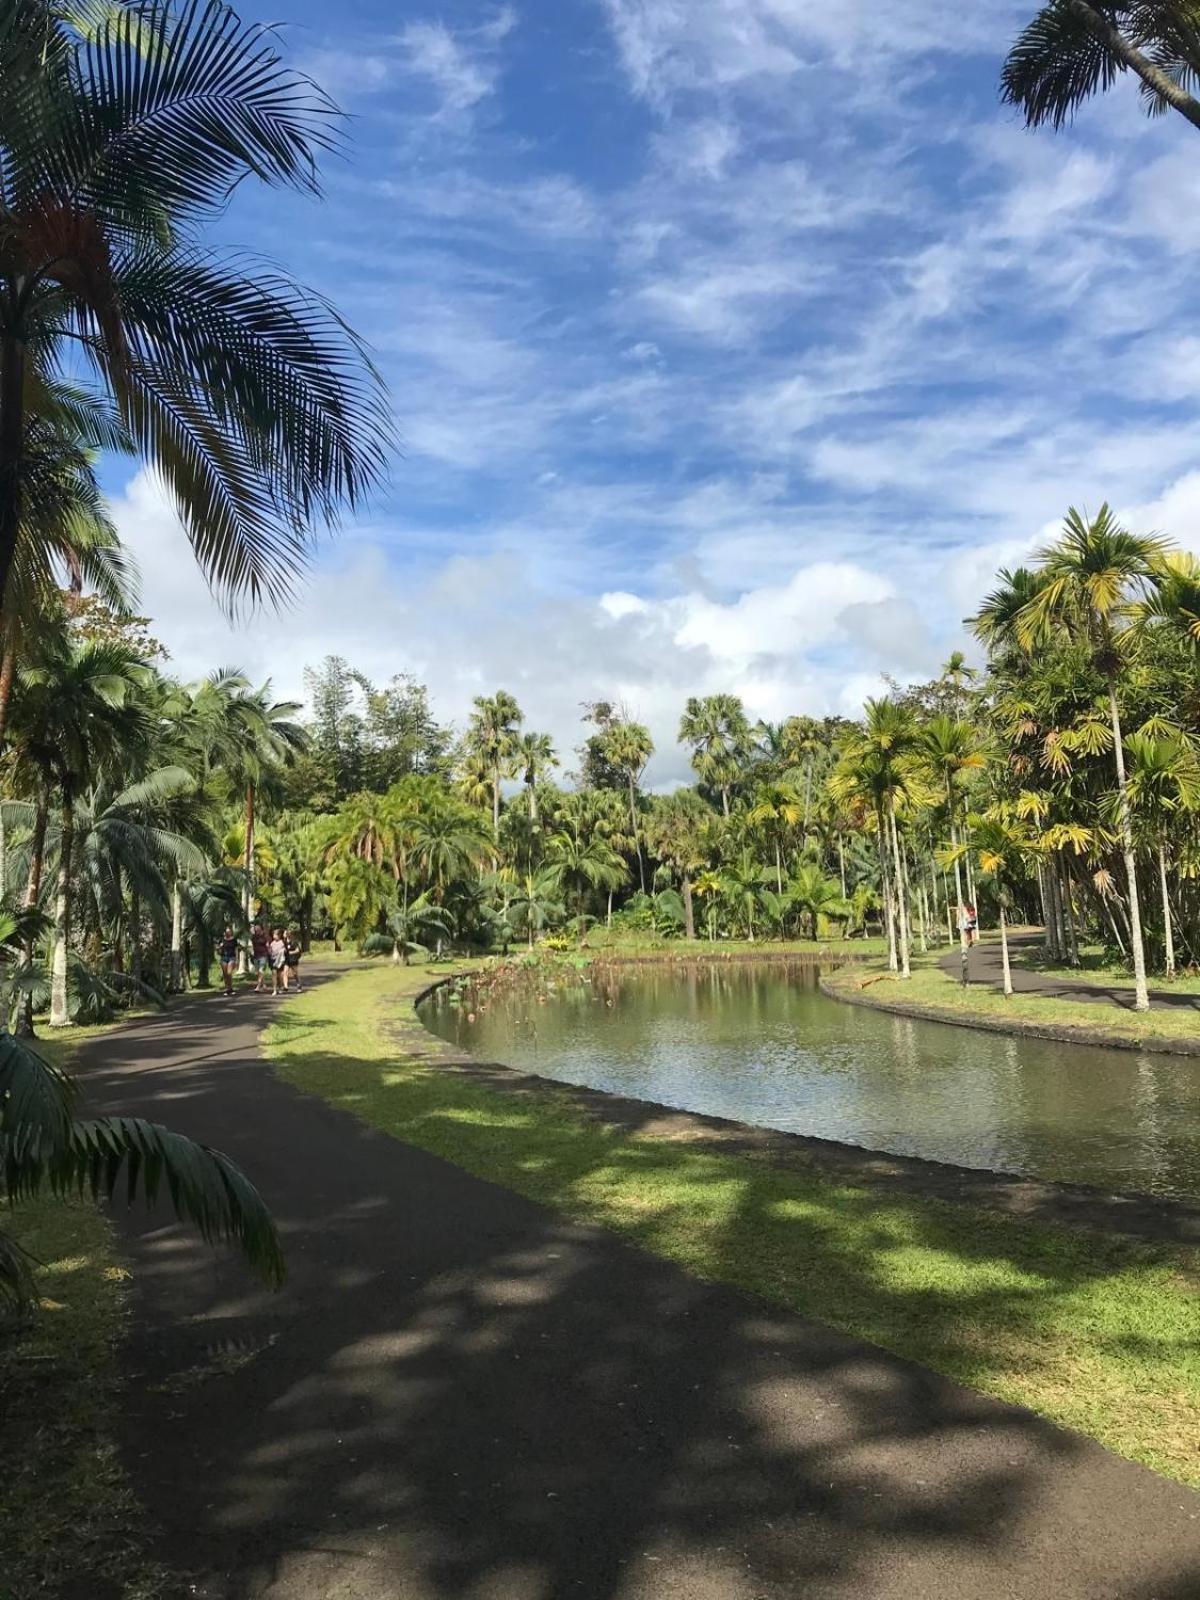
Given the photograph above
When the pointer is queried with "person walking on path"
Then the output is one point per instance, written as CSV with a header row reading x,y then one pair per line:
x,y
291,960
277,954
227,954
258,956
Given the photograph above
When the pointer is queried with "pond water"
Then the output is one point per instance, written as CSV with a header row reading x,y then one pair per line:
x,y
762,1044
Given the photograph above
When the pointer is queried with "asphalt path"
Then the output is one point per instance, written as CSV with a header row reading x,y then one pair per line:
x,y
461,1396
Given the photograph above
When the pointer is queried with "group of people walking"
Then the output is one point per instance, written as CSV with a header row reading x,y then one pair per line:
x,y
274,954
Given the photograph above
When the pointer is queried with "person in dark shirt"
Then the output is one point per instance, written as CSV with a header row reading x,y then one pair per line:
x,y
291,957
227,954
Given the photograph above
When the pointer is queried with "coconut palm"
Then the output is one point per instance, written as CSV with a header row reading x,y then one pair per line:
x,y
1073,49
492,738
1086,576
248,393
717,729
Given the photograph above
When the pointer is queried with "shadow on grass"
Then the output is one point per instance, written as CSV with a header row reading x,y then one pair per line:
x,y
463,1395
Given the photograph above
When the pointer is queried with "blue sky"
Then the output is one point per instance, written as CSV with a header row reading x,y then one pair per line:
x,y
733,345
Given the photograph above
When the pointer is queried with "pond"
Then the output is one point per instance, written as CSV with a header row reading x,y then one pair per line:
x,y
761,1044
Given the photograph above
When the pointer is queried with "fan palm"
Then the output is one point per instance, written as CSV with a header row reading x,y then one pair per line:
x,y
534,753
717,729
248,394
493,739
1074,49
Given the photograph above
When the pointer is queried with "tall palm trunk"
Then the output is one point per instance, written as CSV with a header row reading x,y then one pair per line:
x,y
964,949
496,803
689,918
885,880
532,793
1004,963
842,863
33,889
248,885
12,439
135,934
901,908
8,664
725,799
60,1014
633,824
176,938
1168,933
1137,947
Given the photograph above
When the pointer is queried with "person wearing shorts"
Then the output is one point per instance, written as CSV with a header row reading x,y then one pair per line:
x,y
291,960
277,955
227,954
258,955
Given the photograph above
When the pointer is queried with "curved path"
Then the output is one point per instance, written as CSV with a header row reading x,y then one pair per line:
x,y
459,1396
985,967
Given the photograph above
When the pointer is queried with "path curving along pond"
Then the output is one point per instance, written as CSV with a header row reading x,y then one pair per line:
x,y
759,1043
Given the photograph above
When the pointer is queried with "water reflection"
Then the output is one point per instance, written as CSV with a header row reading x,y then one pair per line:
x,y
761,1044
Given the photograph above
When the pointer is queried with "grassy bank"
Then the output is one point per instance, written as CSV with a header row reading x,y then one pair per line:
x,y
1097,1333
66,1510
937,992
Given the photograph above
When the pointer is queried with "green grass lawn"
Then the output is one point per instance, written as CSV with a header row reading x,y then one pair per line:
x,y
65,1503
1095,966
934,990
1097,1333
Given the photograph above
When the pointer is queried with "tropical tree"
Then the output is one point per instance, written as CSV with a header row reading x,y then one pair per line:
x,y
743,880
1086,577
123,130
534,753
718,731
447,841
410,926
677,829
814,896
951,750
579,862
777,810
1163,781
47,1148
493,738
537,901
1073,49
628,747
82,717
1004,844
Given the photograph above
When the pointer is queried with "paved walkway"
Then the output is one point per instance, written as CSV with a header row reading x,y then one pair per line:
x,y
985,967
461,1397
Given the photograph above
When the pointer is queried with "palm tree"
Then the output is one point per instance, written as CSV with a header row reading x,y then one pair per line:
x,y
710,886
777,809
628,747
676,829
951,751
717,729
409,924
579,862
743,880
83,715
446,842
815,895
1074,48
876,759
248,393
493,739
536,901
1086,578
47,1149
1164,779
359,895
1004,843
534,752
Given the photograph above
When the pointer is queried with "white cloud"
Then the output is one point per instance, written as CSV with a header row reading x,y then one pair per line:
x,y
462,67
